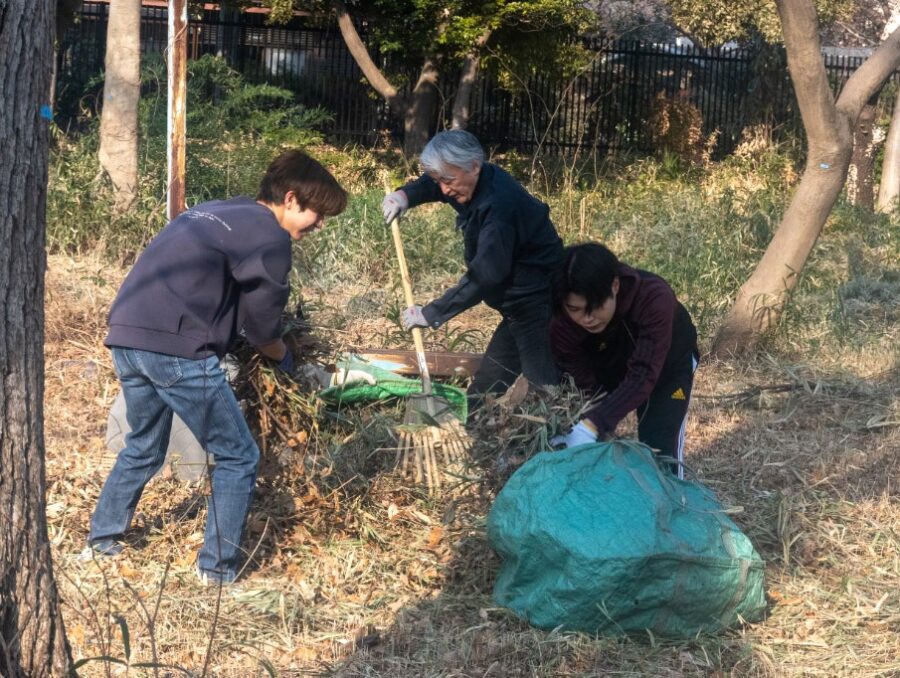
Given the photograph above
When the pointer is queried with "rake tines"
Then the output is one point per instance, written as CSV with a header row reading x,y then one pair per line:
x,y
430,445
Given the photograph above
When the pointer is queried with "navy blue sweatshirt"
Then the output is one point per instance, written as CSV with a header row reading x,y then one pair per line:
x,y
511,246
649,333
216,269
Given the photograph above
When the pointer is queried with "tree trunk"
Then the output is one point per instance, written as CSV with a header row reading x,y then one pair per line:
x,y
419,110
860,179
176,108
889,191
369,68
421,113
761,299
462,101
32,637
121,94
468,75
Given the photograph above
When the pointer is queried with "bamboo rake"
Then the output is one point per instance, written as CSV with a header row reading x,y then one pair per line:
x,y
430,429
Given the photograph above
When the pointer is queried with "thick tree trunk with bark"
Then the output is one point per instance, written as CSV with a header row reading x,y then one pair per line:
x,y
467,77
828,125
889,190
121,94
421,111
32,637
462,101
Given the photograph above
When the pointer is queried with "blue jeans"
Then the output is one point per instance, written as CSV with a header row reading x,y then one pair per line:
x,y
156,385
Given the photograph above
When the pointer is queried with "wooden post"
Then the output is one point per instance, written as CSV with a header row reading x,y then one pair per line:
x,y
177,99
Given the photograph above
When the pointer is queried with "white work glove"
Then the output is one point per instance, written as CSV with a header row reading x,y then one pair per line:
x,y
394,205
346,376
582,433
318,377
413,317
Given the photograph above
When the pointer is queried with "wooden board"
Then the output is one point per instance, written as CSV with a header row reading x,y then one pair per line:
x,y
441,364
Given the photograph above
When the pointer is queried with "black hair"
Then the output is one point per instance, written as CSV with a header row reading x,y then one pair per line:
x,y
314,186
587,270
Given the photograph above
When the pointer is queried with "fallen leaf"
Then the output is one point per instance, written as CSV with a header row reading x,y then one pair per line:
x,y
128,572
392,511
75,633
421,517
515,394
435,536
305,653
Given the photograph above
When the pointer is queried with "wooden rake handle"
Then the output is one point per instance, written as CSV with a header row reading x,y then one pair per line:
x,y
410,301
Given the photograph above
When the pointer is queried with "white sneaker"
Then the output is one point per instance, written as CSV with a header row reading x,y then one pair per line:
x,y
95,552
207,580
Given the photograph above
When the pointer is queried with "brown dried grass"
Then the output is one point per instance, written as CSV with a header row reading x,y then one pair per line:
x,y
356,574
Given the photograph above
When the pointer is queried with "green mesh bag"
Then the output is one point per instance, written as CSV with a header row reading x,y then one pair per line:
x,y
599,539
388,385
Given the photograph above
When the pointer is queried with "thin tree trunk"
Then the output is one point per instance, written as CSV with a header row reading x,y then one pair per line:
x,y
467,77
761,298
32,636
176,109
860,179
889,191
121,94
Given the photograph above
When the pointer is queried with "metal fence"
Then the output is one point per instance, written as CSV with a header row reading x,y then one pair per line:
x,y
607,106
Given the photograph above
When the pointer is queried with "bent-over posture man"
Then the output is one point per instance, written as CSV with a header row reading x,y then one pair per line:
x,y
621,332
215,270
511,250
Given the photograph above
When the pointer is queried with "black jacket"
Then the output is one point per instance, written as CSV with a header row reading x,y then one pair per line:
x,y
511,246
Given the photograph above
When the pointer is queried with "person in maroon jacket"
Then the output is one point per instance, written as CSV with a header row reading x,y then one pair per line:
x,y
623,337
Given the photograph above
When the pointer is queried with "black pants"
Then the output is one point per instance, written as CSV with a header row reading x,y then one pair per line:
x,y
663,417
520,345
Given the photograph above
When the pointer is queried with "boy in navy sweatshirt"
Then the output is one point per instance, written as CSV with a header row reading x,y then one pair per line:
x,y
621,332
216,270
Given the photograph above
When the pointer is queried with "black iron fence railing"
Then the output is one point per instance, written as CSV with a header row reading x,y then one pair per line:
x,y
607,106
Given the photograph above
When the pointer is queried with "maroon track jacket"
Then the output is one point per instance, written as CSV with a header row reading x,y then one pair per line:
x,y
650,331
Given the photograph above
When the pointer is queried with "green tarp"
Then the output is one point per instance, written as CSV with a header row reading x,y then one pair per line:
x,y
599,539
387,385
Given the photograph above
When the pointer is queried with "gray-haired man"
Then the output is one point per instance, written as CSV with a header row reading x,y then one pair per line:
x,y
511,251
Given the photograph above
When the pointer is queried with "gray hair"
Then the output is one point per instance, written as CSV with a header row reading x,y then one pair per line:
x,y
454,147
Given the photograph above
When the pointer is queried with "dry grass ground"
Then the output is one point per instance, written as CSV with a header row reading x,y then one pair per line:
x,y
354,574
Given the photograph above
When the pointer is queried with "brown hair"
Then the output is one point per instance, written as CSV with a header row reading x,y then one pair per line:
x,y
314,186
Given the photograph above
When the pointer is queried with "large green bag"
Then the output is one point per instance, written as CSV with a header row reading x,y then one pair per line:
x,y
599,539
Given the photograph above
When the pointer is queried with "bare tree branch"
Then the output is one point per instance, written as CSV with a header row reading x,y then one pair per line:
x,y
870,76
361,55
